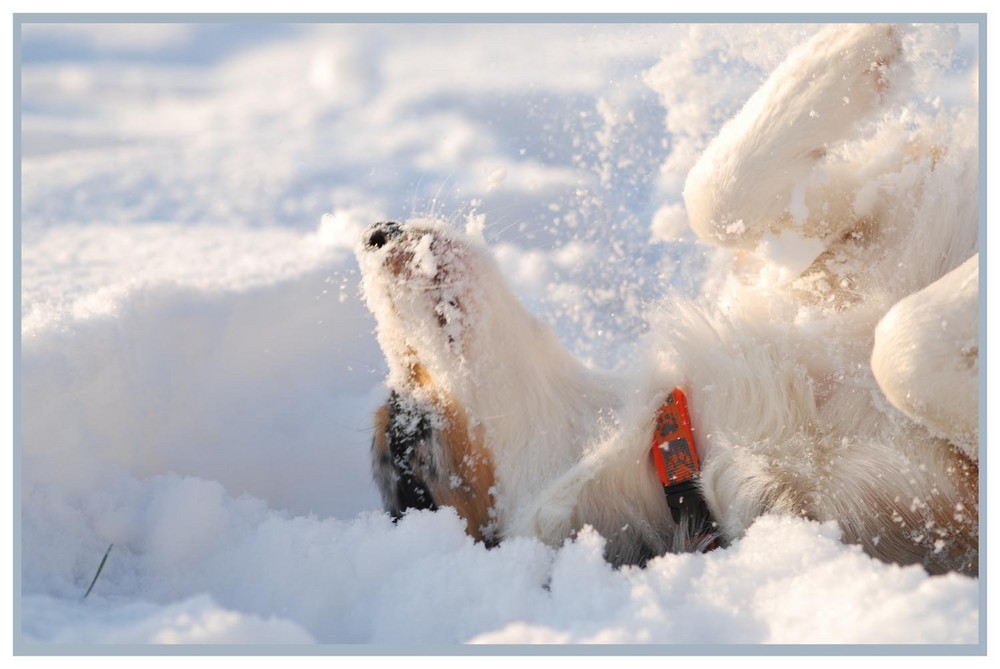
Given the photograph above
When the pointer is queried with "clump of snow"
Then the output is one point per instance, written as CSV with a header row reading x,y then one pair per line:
x,y
496,178
789,252
198,373
736,228
670,223
475,224
424,261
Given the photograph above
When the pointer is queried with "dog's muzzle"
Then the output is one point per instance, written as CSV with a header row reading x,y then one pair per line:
x,y
379,234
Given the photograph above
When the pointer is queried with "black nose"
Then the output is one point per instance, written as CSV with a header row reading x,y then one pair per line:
x,y
382,232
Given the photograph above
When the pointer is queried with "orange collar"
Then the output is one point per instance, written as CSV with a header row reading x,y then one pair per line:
x,y
676,462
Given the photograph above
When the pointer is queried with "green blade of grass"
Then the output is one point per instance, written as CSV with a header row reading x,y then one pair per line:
x,y
99,568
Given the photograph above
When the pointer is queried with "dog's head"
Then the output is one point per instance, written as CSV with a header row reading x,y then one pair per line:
x,y
426,286
496,384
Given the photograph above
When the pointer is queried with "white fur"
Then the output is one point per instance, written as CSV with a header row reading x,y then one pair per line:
x,y
926,356
746,179
787,412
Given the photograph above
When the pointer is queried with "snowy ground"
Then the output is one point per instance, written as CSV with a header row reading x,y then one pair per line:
x,y
198,373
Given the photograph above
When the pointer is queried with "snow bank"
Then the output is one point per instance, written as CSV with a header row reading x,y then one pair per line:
x,y
198,374
192,621
365,581
154,367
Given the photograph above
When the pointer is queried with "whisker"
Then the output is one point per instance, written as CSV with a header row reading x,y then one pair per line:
x,y
413,198
437,195
506,228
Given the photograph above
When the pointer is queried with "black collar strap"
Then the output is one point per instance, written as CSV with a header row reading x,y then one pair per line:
x,y
676,462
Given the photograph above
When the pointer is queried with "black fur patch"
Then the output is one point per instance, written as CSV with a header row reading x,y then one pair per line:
x,y
404,466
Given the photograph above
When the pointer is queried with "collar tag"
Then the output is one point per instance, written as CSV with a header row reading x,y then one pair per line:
x,y
673,446
677,466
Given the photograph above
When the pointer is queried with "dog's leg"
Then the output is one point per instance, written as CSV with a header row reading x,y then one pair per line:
x,y
755,176
926,356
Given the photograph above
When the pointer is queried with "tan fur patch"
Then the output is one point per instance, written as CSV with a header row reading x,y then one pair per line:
x,y
380,444
417,376
941,530
918,150
468,474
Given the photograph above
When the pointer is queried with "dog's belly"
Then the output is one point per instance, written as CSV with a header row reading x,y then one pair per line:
x,y
904,495
791,420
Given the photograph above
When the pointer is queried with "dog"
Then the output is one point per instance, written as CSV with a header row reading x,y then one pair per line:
x,y
833,375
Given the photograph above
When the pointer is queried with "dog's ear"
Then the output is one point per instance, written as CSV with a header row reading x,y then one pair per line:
x,y
424,457
402,457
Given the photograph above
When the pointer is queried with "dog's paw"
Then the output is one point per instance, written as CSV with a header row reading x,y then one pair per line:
x,y
743,184
926,356
852,70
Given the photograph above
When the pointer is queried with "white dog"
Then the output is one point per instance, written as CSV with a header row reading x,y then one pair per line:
x,y
833,377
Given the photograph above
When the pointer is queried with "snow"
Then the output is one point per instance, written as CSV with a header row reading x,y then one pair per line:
x,y
198,372
789,252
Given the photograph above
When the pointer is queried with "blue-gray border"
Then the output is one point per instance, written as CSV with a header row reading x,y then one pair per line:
x,y
22,647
